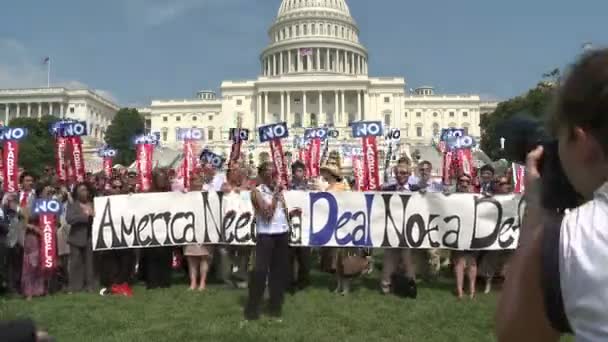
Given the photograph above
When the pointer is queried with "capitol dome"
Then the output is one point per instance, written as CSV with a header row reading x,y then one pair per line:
x,y
288,6
314,37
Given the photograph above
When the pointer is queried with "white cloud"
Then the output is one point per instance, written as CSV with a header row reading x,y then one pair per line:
x,y
157,12
19,69
16,68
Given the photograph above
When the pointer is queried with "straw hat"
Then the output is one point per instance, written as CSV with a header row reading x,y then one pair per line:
x,y
332,170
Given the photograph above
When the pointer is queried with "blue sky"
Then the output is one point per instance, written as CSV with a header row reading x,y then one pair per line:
x,y
138,50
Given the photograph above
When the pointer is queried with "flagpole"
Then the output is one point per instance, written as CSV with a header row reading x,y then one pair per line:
x,y
48,73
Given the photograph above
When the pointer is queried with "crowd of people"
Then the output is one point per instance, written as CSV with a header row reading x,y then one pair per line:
x,y
272,261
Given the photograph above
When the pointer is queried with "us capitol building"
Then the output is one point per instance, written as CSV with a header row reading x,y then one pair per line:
x,y
313,73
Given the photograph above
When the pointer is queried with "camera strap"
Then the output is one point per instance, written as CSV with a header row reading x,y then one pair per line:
x,y
550,278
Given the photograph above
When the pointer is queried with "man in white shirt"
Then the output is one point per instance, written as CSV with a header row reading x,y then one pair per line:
x,y
580,122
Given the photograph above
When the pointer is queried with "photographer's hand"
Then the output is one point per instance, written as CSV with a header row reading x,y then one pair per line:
x,y
534,214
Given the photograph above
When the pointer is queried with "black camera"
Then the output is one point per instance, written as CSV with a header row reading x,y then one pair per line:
x,y
522,135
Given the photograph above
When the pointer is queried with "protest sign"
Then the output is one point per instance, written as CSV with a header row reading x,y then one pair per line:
x,y
322,219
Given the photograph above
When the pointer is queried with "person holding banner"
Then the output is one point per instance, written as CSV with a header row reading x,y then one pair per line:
x,y
272,246
157,261
79,215
429,258
349,262
299,255
235,191
198,256
398,260
465,259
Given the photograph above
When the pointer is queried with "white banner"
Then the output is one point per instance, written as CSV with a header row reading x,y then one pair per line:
x,y
340,219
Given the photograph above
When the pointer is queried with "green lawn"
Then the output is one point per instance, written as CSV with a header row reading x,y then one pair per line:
x,y
313,315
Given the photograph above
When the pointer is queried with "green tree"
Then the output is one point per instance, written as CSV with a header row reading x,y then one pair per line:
x,y
37,150
534,103
127,123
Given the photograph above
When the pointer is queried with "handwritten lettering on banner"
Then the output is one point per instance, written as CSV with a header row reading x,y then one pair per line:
x,y
373,219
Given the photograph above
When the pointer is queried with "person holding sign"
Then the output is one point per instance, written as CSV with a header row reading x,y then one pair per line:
x,y
272,246
33,278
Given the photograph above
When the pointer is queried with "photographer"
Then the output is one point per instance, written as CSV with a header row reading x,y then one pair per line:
x,y
558,276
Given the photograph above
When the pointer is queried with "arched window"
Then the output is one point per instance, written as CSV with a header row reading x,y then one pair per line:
x,y
435,129
210,132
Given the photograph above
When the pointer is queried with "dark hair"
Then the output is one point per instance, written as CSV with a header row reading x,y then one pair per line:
x,y
582,100
75,190
485,168
426,162
297,165
263,167
26,174
158,173
404,160
39,187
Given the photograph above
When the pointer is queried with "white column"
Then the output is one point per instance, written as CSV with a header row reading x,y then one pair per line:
x,y
258,114
327,59
357,64
288,114
335,53
304,114
299,60
29,110
39,110
18,109
281,63
308,62
366,105
282,117
322,117
359,105
61,113
342,115
336,109
6,113
50,108
352,63
318,59
265,115
289,66
274,64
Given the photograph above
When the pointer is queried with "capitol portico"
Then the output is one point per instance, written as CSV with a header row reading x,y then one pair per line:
x,y
82,104
314,72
